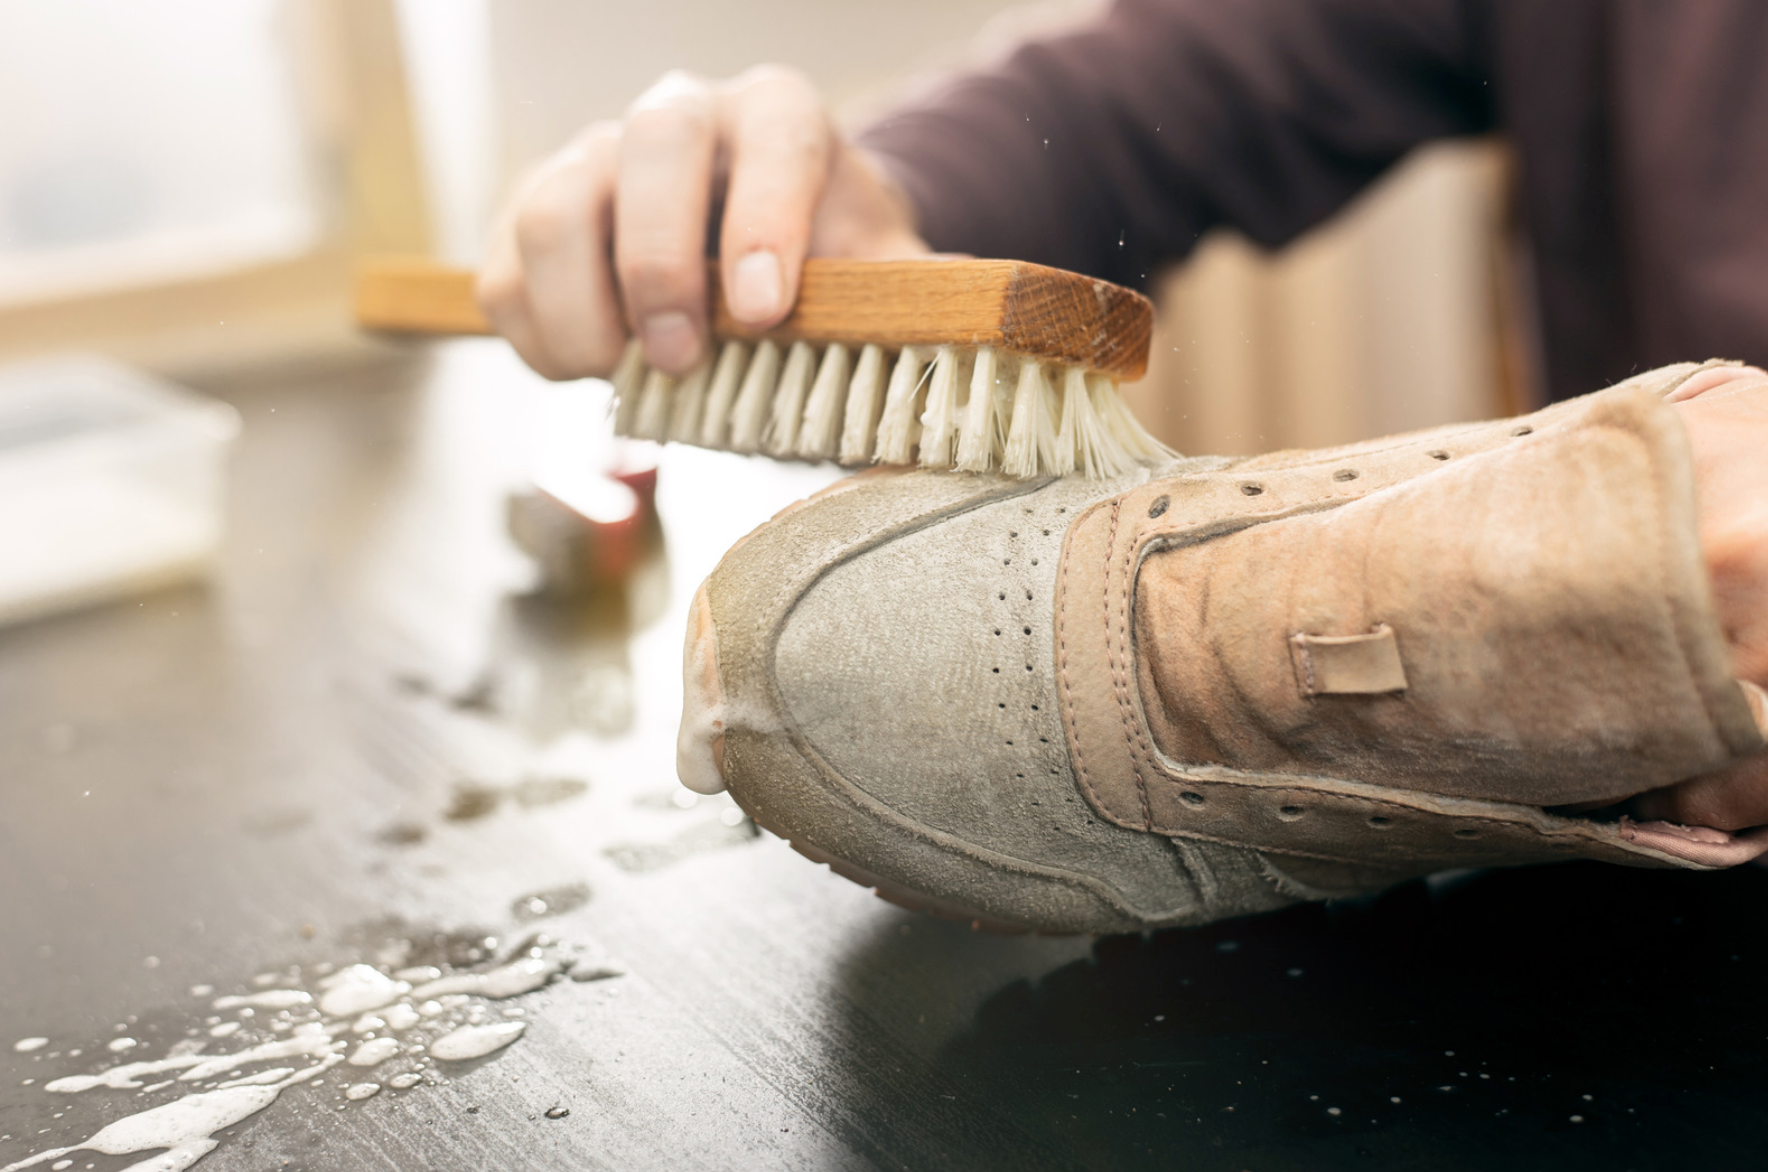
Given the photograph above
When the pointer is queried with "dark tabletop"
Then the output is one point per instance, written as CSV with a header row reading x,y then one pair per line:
x,y
366,740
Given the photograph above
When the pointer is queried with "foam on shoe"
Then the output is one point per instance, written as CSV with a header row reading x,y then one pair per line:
x,y
699,746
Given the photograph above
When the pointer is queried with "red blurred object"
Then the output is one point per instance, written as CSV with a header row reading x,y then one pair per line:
x,y
587,527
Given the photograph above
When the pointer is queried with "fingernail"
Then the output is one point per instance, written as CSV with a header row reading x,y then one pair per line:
x,y
757,285
671,342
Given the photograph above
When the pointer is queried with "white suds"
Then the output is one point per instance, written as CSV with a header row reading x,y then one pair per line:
x,y
511,980
400,1017
358,989
375,1051
449,1025
476,1041
275,1074
184,1126
272,999
26,1045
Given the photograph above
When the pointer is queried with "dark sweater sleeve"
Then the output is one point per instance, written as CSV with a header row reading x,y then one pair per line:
x,y
1110,149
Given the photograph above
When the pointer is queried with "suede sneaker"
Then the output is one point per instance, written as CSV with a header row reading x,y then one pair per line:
x,y
1220,686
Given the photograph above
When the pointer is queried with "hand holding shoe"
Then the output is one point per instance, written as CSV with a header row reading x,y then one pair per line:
x,y
1726,413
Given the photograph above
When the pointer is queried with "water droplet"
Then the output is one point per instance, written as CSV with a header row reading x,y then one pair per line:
x,y
26,1045
362,1090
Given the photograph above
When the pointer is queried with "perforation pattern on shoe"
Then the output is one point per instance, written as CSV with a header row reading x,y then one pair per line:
x,y
940,702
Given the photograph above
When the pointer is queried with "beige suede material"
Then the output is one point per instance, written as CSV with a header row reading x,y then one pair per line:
x,y
857,640
1220,686
1539,580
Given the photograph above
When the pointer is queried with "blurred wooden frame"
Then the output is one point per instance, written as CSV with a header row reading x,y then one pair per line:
x,y
367,169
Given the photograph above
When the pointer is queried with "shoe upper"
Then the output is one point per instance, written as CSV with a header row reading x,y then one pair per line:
x,y
947,682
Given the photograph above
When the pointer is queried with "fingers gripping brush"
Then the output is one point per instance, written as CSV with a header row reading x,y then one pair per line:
x,y
975,365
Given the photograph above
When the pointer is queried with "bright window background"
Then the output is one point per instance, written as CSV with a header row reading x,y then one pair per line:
x,y
146,141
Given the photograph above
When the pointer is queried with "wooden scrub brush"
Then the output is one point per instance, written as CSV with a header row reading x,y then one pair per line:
x,y
968,364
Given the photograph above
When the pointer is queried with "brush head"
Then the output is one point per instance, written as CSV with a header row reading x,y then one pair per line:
x,y
972,409
976,365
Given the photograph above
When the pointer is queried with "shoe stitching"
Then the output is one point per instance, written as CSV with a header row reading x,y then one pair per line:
x,y
1133,728
1527,831
1067,688
1118,664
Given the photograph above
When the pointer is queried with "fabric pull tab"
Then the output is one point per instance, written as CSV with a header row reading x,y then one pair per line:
x,y
1348,665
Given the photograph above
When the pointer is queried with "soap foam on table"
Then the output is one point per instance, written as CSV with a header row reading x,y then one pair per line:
x,y
375,1021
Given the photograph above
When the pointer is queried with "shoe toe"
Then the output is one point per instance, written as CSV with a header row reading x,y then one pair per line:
x,y
883,693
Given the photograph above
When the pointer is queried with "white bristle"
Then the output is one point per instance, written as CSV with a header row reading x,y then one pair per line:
x,y
690,395
976,432
628,379
1031,442
1122,423
897,427
781,437
1074,389
820,431
749,415
965,409
652,420
1119,434
939,420
865,399
726,378
1098,452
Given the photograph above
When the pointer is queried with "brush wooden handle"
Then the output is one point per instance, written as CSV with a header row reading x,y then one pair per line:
x,y
1024,308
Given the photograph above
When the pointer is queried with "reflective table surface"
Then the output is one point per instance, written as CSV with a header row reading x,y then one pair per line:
x,y
367,741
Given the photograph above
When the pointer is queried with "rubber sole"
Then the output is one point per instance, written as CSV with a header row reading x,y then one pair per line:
x,y
905,897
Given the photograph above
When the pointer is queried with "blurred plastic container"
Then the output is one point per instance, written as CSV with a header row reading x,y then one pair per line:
x,y
112,482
